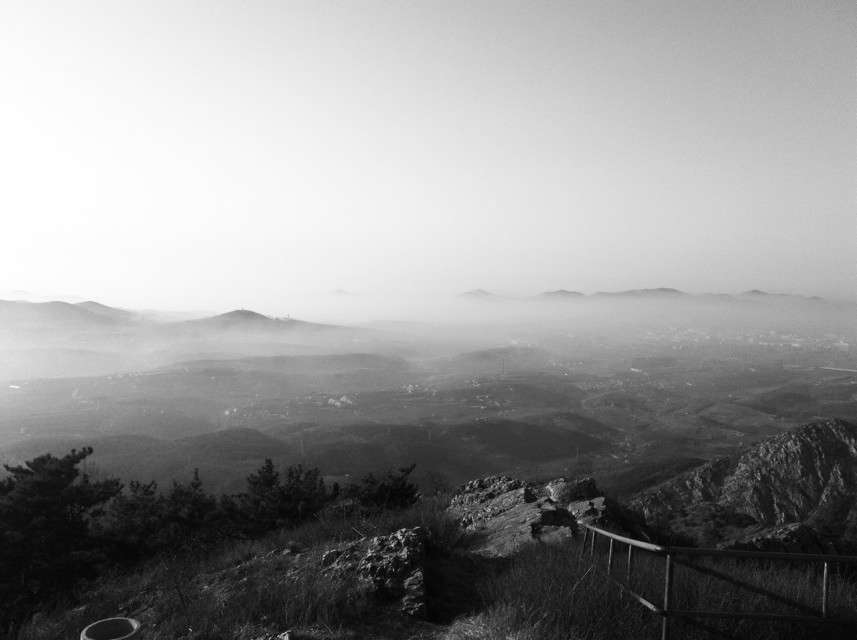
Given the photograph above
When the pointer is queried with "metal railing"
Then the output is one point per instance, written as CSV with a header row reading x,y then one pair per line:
x,y
673,556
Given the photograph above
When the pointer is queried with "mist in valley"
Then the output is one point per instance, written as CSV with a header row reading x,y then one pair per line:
x,y
360,237
344,320
630,386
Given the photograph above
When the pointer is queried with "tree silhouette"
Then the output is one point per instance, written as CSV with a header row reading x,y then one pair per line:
x,y
271,503
389,491
47,507
188,510
135,521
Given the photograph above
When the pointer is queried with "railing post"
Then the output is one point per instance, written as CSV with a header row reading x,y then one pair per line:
x,y
670,610
583,545
668,586
630,561
610,557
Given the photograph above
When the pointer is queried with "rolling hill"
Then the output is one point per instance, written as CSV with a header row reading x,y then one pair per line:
x,y
245,320
117,315
21,315
480,294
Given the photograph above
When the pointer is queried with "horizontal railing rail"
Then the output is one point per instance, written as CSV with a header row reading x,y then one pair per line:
x,y
673,556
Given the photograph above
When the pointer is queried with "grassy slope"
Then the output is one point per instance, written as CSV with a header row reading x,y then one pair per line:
x,y
550,593
245,589
242,589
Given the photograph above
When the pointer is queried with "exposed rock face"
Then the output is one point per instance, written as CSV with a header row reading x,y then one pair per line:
x,y
608,514
391,566
807,475
564,492
482,490
506,513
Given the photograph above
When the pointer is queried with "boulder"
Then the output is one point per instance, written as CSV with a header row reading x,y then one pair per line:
x,y
392,567
606,513
564,491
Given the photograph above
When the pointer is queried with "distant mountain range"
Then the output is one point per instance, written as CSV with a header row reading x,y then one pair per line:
x,y
30,315
19,314
660,293
756,293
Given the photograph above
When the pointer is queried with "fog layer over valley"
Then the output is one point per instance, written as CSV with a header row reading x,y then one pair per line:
x,y
631,387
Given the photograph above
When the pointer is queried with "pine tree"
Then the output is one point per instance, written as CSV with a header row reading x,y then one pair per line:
x,y
262,504
304,494
389,491
135,521
271,502
47,511
188,510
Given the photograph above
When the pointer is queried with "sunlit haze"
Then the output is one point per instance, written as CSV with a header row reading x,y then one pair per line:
x,y
371,318
215,155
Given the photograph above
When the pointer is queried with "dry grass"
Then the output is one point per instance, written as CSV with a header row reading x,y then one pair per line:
x,y
546,593
246,589
242,589
243,601
551,593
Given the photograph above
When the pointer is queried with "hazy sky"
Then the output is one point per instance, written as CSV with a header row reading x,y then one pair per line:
x,y
222,154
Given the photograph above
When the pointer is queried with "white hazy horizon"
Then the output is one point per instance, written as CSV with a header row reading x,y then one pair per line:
x,y
217,155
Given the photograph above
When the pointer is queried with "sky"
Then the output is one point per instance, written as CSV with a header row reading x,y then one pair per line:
x,y
186,155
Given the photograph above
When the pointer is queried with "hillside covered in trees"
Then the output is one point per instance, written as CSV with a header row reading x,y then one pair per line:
x,y
61,526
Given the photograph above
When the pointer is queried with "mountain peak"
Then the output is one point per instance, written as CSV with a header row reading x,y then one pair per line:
x,y
243,315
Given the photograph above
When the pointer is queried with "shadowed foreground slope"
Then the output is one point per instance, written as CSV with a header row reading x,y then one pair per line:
x,y
500,560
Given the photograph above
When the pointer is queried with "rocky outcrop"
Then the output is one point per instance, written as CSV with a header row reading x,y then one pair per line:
x,y
505,513
482,490
606,513
392,567
564,491
805,476
796,492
